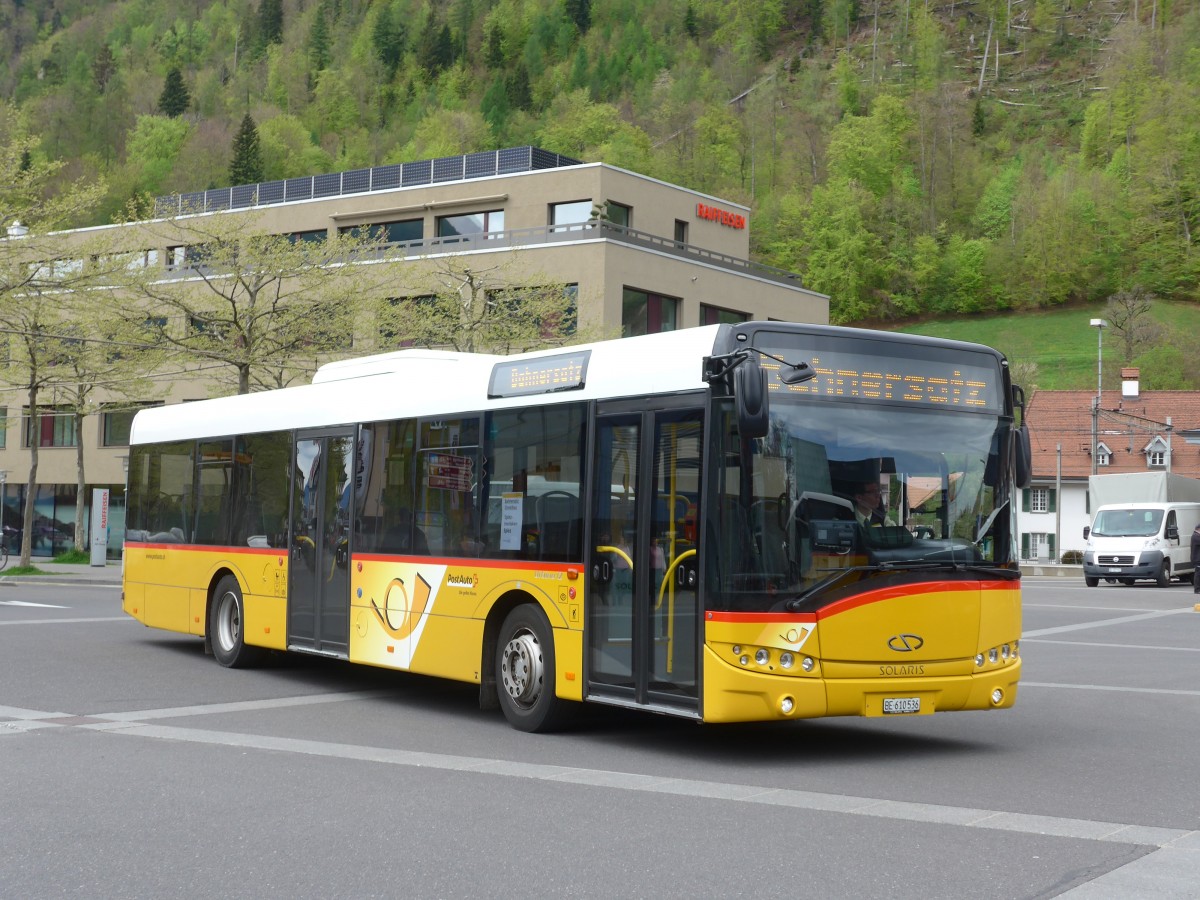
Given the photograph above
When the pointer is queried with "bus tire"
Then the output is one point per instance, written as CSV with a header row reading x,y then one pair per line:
x,y
227,627
1164,574
1090,581
525,671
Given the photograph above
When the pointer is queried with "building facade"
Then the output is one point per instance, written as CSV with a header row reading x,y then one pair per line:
x,y
1071,438
638,255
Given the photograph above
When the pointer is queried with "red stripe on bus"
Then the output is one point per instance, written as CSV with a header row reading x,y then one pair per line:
x,y
211,548
868,597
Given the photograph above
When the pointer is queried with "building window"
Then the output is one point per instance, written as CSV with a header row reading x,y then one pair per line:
x,y
577,212
1103,456
714,315
681,232
115,425
3,427
56,428
1038,500
401,230
618,213
315,236
645,313
470,224
395,317
1156,459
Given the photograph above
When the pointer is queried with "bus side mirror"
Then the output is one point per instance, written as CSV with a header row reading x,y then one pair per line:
x,y
1087,529
1022,457
750,396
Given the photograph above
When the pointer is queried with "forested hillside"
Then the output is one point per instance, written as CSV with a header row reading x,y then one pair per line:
x,y
908,158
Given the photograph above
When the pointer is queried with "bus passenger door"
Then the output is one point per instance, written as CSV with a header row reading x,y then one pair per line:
x,y
319,575
643,622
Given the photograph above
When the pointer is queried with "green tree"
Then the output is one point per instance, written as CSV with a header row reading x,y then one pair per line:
x,y
580,12
474,307
104,66
247,164
318,39
265,308
174,99
41,279
270,23
388,37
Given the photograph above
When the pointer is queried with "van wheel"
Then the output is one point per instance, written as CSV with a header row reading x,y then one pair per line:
x,y
1090,581
1164,574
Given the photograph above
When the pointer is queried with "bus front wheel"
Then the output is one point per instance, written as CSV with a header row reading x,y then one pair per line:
x,y
226,626
525,671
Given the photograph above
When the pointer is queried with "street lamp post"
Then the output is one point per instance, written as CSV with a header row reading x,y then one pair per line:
x,y
1099,325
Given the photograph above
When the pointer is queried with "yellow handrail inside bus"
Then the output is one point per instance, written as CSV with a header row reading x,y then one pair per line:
x,y
617,550
667,579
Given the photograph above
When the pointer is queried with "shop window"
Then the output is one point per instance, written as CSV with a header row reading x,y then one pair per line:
x,y
715,315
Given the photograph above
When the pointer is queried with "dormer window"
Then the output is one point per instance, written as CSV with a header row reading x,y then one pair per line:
x,y
1103,455
1156,453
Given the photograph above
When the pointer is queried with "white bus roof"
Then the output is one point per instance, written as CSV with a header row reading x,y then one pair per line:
x,y
409,383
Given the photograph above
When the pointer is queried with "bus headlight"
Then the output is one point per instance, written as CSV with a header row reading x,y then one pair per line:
x,y
997,697
993,655
786,660
978,660
762,657
786,705
807,664
745,660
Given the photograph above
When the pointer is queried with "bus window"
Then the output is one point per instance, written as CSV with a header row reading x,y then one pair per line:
x,y
160,503
214,477
533,498
383,489
447,470
260,497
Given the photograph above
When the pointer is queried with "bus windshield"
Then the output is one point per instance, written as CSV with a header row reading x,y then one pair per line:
x,y
837,488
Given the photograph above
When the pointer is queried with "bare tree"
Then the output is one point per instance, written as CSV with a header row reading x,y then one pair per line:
x,y
1130,314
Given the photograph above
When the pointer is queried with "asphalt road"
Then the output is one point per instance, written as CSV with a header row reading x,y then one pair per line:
x,y
133,766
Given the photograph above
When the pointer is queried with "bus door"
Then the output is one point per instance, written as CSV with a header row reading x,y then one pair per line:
x,y
643,622
322,505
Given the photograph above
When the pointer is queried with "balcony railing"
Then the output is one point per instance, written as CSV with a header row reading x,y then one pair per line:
x,y
556,234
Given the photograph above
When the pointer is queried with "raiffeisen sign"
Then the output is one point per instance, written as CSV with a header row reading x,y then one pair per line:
x,y
726,218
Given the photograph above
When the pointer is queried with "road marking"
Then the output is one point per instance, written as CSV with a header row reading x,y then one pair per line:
x,y
1110,687
1104,623
27,603
66,621
140,724
1110,646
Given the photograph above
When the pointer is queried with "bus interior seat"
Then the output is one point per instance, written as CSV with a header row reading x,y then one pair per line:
x,y
558,525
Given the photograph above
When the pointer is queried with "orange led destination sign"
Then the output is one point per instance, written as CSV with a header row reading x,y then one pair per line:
x,y
545,375
953,382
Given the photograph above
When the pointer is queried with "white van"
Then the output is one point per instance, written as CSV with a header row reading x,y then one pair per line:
x,y
1131,541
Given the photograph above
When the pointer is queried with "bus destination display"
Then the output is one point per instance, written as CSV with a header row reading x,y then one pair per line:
x,y
928,382
546,375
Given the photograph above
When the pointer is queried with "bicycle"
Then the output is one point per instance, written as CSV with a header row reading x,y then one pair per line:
x,y
3,550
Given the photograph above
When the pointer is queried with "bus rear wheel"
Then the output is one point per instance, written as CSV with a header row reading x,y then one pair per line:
x,y
525,671
226,626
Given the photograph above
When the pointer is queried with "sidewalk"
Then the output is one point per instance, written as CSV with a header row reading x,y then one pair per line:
x,y
63,573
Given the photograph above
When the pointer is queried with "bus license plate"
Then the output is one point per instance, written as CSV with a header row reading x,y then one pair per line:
x,y
901,705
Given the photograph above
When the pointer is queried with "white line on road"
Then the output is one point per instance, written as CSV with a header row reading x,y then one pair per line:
x,y
1109,687
1109,646
66,621
138,724
1103,623
27,603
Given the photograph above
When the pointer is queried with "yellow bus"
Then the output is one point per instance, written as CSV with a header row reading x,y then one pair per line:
x,y
762,521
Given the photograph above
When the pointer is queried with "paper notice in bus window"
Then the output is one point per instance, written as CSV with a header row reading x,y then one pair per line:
x,y
510,521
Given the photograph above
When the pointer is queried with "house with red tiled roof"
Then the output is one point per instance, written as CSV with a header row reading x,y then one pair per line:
x,y
1071,438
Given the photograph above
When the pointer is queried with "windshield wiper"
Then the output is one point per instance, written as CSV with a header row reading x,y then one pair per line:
x,y
987,525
